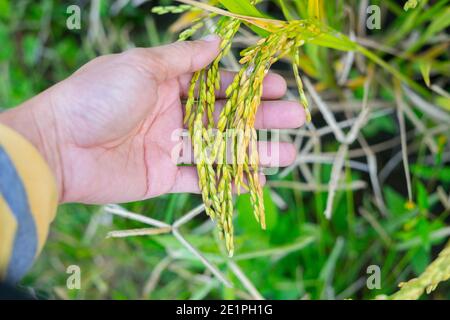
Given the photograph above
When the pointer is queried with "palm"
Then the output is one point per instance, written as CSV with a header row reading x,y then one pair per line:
x,y
124,147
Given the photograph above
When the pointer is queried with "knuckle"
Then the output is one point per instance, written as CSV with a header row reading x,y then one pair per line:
x,y
181,47
158,63
185,50
142,60
135,53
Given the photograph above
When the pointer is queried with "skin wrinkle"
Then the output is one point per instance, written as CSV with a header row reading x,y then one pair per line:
x,y
145,147
97,60
156,143
141,68
181,47
145,158
183,88
191,58
159,147
146,168
129,152
177,176
61,175
263,116
161,152
134,136
161,68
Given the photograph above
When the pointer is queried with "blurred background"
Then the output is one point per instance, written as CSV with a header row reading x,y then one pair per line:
x,y
381,214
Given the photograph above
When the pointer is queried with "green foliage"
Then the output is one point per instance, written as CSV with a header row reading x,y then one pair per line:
x,y
244,7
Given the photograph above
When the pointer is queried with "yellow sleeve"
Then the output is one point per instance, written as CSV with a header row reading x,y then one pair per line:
x,y
28,202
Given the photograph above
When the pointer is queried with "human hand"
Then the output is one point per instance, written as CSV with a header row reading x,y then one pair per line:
x,y
106,131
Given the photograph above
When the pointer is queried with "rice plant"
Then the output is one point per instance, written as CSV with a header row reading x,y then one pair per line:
x,y
277,39
235,126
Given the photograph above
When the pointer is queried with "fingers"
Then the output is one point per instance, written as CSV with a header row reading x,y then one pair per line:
x,y
276,154
274,114
242,190
274,85
187,181
183,57
271,154
280,115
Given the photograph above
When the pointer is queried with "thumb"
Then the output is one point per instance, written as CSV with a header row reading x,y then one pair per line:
x,y
186,56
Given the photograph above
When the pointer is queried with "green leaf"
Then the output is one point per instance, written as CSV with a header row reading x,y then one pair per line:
x,y
438,24
394,201
423,227
379,125
420,260
422,197
246,217
328,270
271,210
443,102
315,9
426,172
376,59
335,41
425,68
286,9
4,9
243,7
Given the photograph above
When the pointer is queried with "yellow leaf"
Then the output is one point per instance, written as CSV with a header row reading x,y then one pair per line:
x,y
263,23
185,20
315,9
425,68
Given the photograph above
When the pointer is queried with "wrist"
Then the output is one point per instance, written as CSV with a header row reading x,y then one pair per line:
x,y
34,120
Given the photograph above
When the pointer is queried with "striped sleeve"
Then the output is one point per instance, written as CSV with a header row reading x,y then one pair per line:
x,y
28,201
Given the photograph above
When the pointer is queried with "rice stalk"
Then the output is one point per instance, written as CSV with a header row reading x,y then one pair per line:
x,y
171,9
226,150
234,132
410,4
438,271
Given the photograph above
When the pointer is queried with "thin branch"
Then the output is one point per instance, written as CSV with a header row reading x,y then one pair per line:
x,y
189,216
328,116
138,232
431,110
354,185
151,283
205,261
335,176
401,121
120,211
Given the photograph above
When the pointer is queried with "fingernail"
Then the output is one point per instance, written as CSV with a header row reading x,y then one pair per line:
x,y
211,38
